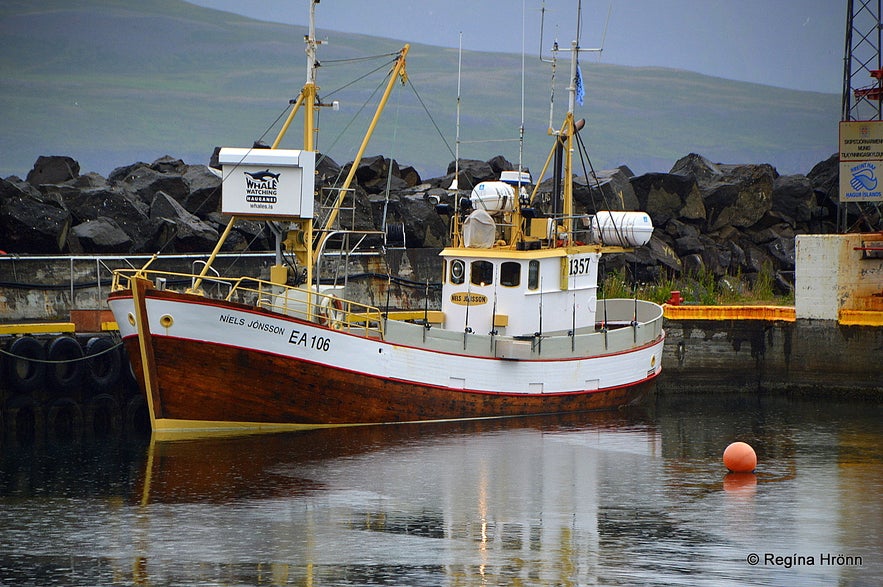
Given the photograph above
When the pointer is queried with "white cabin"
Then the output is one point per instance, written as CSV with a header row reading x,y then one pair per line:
x,y
519,293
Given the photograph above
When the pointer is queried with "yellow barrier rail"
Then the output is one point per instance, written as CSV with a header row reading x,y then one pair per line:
x,y
768,313
37,328
860,318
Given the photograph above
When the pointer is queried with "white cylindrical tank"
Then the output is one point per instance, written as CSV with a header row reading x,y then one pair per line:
x,y
492,196
622,229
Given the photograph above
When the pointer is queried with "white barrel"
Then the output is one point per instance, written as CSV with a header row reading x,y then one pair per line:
x,y
622,229
492,196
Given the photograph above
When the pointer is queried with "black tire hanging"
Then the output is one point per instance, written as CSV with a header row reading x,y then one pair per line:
x,y
24,368
103,366
67,374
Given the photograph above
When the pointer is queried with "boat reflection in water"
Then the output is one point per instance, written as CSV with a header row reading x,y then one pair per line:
x,y
609,498
423,504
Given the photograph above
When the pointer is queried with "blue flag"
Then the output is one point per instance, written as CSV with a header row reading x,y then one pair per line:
x,y
580,90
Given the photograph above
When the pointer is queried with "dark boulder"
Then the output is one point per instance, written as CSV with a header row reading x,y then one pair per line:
x,y
184,231
102,235
117,203
697,167
146,182
414,217
498,165
169,165
377,174
411,176
30,222
471,172
327,170
736,195
666,196
88,180
203,191
246,235
793,196
608,189
53,169
825,177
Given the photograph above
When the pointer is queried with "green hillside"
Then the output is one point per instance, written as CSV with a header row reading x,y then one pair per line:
x,y
110,83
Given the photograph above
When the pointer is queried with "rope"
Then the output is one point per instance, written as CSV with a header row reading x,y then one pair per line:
x,y
64,361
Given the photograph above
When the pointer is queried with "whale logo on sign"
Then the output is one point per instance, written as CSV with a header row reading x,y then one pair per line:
x,y
261,186
864,178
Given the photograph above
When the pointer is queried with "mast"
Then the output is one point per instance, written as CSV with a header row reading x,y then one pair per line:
x,y
301,229
302,239
300,235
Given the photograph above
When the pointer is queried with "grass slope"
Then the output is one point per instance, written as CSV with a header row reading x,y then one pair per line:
x,y
111,82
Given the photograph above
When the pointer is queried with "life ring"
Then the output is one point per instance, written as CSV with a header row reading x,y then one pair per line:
x,y
104,364
24,364
331,312
65,372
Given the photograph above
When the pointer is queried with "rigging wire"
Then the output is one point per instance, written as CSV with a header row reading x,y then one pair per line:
x,y
429,114
359,59
583,151
361,77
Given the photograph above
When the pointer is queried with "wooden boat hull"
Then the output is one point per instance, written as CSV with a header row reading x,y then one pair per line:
x,y
244,376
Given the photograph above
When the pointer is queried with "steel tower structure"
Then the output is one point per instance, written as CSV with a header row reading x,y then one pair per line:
x,y
862,82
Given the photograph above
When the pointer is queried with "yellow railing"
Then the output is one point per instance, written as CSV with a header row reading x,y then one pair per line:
x,y
320,308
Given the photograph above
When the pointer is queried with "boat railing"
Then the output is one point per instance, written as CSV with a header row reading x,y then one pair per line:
x,y
325,309
332,264
625,324
580,232
202,264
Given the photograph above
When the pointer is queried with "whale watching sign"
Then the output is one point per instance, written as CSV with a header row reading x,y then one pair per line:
x,y
861,161
266,183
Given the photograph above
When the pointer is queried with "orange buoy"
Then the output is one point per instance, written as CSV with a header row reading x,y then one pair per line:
x,y
739,457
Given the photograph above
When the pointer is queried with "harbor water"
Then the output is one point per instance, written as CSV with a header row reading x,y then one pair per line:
x,y
634,497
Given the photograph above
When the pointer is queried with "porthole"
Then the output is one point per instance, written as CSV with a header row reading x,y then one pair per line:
x,y
458,270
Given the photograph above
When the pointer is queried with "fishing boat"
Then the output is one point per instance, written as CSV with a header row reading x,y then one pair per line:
x,y
520,328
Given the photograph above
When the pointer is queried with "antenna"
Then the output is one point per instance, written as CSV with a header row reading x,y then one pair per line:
x,y
553,60
454,184
521,128
606,24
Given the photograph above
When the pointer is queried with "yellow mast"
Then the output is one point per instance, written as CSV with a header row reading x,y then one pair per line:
x,y
302,241
398,72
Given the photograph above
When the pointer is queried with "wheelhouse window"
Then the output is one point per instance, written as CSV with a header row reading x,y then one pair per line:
x,y
458,271
482,273
533,275
510,274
